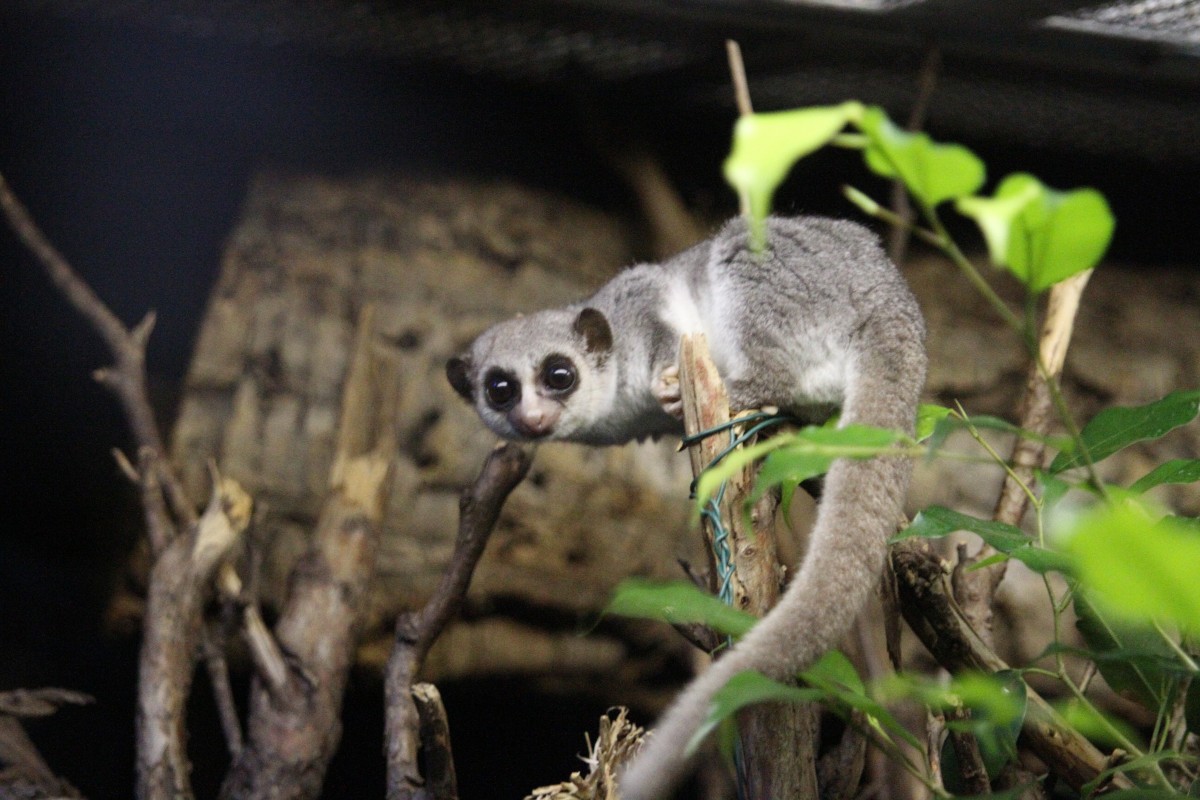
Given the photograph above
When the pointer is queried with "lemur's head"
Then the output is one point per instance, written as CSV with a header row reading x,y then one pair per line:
x,y
540,377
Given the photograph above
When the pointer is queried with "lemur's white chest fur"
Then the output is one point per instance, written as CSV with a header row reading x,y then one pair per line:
x,y
819,319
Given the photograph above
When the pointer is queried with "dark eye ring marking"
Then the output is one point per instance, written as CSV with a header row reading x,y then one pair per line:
x,y
501,389
559,375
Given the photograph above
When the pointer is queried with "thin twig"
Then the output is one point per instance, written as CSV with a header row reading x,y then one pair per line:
x,y
214,658
901,207
128,347
737,71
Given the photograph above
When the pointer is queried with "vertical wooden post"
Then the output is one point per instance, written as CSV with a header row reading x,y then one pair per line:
x,y
778,740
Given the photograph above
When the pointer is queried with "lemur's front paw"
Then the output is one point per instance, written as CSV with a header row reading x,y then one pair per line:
x,y
667,391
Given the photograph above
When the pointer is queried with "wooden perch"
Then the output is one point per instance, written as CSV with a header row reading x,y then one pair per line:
x,y
179,586
295,719
416,631
780,750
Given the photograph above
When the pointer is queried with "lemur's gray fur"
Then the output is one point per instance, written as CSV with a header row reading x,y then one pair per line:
x,y
819,320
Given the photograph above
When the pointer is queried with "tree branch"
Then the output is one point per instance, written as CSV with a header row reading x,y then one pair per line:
x,y
127,380
295,720
932,614
478,509
179,585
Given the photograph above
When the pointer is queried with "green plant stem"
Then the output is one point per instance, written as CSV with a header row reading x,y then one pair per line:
x,y
881,212
1187,660
1073,430
894,752
1034,500
1155,769
948,246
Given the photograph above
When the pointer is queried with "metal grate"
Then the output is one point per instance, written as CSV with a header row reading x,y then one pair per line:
x,y
1161,20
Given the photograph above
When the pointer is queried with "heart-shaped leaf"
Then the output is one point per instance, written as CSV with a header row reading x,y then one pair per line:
x,y
766,146
932,171
1041,235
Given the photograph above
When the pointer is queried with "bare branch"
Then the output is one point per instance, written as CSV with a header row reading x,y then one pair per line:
x,y
295,704
126,379
902,209
974,589
25,773
214,659
440,778
737,72
479,509
179,584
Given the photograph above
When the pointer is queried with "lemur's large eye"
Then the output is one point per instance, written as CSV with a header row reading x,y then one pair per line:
x,y
502,390
558,374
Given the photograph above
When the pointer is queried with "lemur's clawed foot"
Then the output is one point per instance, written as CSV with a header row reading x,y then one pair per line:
x,y
667,391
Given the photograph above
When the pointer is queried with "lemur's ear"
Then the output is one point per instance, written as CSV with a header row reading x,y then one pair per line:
x,y
456,373
593,327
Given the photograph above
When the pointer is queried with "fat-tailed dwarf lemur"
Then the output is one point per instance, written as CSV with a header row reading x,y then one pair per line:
x,y
818,319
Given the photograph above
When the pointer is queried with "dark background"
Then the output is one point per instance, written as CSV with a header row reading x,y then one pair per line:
x,y
132,138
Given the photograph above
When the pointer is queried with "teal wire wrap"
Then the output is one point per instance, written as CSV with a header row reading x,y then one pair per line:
x,y
722,556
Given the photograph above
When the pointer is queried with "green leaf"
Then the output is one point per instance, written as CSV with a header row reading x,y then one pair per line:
x,y
711,479
809,452
1041,235
746,689
999,215
1177,470
813,450
1042,560
1053,489
928,417
835,669
766,146
675,602
932,172
1136,566
1092,724
1131,765
1000,697
1141,794
935,522
1120,426
1121,649
838,681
